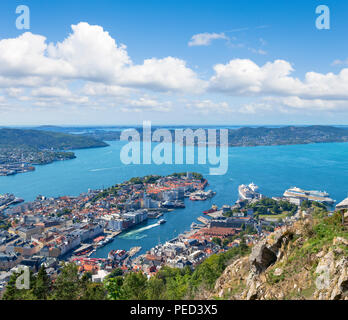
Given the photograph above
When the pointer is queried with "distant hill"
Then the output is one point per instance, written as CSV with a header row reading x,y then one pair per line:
x,y
38,139
286,135
259,136
245,136
50,128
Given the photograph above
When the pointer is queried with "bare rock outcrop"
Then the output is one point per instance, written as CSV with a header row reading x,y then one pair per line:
x,y
276,269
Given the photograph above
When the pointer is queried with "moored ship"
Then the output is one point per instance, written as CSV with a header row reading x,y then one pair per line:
x,y
311,195
248,192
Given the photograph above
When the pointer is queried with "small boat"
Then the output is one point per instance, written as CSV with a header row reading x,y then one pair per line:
x,y
162,221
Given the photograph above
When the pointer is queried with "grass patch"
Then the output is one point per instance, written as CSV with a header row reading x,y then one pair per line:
x,y
274,216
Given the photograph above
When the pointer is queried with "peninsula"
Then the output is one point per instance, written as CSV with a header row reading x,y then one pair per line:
x,y
21,149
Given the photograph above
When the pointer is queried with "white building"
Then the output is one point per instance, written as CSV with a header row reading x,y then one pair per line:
x,y
100,276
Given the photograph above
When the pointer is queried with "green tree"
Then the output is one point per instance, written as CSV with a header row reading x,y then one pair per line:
x,y
134,286
114,288
11,292
68,284
226,242
306,204
176,281
94,291
217,241
115,273
156,289
42,285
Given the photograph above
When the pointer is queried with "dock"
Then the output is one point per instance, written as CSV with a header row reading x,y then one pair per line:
x,y
134,251
84,249
112,234
203,220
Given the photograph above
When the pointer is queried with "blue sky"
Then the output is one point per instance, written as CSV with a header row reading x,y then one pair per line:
x,y
275,66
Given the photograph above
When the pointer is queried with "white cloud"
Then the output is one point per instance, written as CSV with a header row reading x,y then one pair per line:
x,y
168,74
208,106
258,51
50,92
274,80
26,56
89,53
205,39
53,97
33,70
100,89
146,104
244,77
253,108
22,81
14,92
339,62
308,104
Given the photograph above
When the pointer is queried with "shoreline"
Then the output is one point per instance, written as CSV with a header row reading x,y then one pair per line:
x,y
34,165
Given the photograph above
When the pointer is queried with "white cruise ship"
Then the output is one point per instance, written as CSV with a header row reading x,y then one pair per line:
x,y
312,195
248,192
253,187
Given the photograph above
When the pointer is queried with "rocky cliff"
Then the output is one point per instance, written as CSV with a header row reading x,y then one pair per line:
x,y
306,260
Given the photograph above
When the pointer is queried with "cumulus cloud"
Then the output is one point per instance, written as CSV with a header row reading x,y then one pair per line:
x,y
26,56
168,74
89,67
89,53
205,39
244,77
